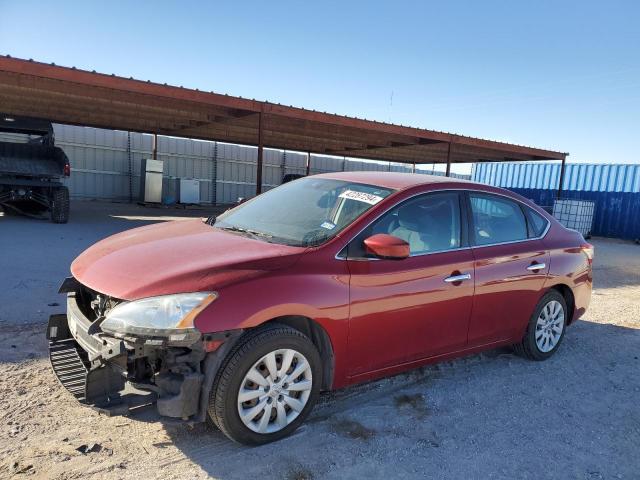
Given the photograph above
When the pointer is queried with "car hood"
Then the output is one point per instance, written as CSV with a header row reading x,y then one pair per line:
x,y
176,257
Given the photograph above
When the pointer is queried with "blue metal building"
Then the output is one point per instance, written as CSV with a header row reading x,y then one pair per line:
x,y
615,189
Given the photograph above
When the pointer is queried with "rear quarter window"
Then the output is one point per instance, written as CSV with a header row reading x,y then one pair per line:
x,y
537,223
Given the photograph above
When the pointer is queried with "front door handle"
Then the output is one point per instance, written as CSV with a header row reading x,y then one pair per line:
x,y
536,266
458,278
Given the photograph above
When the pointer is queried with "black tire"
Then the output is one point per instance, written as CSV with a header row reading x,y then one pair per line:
x,y
223,409
528,347
60,205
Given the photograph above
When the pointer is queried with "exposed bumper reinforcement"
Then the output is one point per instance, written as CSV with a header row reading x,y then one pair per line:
x,y
97,384
69,367
118,376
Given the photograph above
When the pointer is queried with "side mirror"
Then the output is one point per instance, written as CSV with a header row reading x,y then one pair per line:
x,y
387,246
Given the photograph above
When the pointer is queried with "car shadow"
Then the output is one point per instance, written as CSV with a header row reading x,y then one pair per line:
x,y
419,410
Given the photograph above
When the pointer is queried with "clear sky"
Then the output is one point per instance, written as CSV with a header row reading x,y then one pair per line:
x,y
550,74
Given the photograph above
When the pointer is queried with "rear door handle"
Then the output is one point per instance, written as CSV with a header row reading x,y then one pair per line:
x,y
536,266
458,278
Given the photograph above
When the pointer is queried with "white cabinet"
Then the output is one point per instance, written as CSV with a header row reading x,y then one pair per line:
x,y
189,190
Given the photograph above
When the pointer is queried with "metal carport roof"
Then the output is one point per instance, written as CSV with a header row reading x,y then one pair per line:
x,y
79,97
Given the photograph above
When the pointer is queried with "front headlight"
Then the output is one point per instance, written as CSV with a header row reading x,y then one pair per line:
x,y
169,316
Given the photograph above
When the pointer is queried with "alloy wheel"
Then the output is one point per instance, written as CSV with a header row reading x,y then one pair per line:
x,y
549,326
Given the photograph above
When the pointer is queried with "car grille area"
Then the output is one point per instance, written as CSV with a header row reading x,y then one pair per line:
x,y
97,383
69,367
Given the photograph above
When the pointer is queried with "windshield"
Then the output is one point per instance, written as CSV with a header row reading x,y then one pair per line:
x,y
305,212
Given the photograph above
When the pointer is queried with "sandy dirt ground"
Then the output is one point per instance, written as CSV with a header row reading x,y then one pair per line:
x,y
492,415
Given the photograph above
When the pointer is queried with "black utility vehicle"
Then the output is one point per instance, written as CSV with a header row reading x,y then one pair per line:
x,y
32,168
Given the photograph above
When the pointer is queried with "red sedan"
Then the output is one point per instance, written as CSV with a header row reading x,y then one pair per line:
x,y
321,283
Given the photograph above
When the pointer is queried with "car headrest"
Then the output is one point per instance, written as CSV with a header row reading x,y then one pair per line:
x,y
409,216
438,213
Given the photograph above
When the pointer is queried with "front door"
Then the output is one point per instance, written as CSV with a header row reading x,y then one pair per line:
x,y
405,310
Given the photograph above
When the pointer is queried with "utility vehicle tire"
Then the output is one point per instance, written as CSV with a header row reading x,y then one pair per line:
x,y
60,205
546,328
266,386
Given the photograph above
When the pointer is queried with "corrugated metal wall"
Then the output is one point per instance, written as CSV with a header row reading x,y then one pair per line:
x,y
105,164
617,214
100,161
578,176
615,190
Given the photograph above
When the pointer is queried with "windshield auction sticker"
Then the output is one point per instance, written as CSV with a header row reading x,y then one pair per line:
x,y
328,225
361,197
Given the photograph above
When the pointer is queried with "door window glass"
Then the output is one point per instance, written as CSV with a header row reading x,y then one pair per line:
x,y
429,223
496,220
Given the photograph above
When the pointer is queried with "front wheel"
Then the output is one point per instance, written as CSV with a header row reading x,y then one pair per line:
x,y
267,386
546,328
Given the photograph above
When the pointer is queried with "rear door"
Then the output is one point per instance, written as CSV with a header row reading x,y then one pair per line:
x,y
511,265
405,310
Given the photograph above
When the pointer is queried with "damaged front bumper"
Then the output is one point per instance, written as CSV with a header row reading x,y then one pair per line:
x,y
118,376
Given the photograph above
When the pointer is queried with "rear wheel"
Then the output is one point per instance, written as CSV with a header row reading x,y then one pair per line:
x,y
545,330
267,386
60,205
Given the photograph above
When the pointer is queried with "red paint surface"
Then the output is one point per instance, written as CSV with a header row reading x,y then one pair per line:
x,y
506,292
381,316
387,246
402,310
175,257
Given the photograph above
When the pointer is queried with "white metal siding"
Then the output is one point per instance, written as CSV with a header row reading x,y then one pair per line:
x,y
105,164
236,172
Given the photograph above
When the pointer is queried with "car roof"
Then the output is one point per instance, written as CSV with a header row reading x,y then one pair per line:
x,y
403,181
396,180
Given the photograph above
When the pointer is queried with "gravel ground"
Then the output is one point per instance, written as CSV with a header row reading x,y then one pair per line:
x,y
492,415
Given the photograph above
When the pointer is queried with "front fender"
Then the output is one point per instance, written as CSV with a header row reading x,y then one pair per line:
x,y
322,297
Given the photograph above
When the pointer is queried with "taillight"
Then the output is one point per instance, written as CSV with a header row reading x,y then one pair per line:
x,y
67,170
588,251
